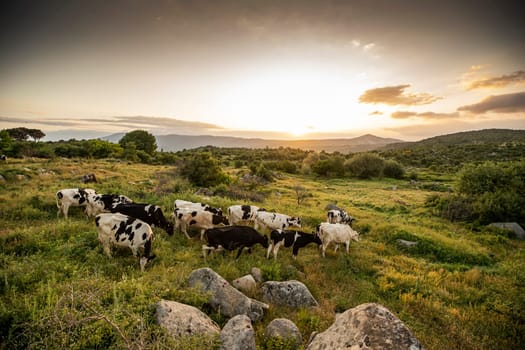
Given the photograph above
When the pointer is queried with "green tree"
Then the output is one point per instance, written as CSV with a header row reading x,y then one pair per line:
x,y
19,134
203,170
393,169
130,151
144,141
35,134
5,141
365,165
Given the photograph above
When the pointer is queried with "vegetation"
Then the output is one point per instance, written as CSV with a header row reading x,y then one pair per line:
x,y
460,287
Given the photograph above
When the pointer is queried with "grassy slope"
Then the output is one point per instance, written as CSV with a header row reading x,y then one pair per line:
x,y
457,289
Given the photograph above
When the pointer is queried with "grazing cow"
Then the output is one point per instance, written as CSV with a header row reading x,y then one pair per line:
x,y
125,231
72,197
89,178
339,216
231,238
336,233
182,204
289,238
149,213
3,158
200,219
275,221
99,203
242,213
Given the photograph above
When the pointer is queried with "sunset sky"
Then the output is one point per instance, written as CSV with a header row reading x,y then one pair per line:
x,y
273,69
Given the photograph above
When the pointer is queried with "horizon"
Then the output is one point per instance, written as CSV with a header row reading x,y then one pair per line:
x,y
276,70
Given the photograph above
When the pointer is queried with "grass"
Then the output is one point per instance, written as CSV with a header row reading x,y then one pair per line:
x,y
456,289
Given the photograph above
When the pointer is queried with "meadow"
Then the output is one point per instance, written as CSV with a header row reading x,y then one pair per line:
x,y
459,288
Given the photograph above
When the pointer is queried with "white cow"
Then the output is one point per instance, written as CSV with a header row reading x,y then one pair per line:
x,y
242,214
124,231
99,203
72,197
336,233
275,221
200,219
182,204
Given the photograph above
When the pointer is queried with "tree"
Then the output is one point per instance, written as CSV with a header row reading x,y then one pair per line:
x,y
365,165
393,169
5,141
144,141
36,134
203,170
19,134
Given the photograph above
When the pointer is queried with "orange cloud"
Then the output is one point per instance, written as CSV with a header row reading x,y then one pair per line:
x,y
424,115
396,95
517,77
508,103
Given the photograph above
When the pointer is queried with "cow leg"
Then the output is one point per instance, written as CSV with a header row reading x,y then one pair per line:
x,y
270,246
324,249
347,246
65,209
241,248
276,248
336,247
183,230
202,234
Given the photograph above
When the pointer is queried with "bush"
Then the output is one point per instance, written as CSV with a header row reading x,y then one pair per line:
x,y
204,171
393,169
365,165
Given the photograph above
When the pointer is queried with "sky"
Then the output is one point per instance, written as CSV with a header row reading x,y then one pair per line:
x,y
407,69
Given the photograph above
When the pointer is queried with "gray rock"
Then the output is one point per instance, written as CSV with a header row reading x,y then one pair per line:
x,y
288,293
283,328
183,320
223,297
511,226
245,283
406,243
257,274
368,327
238,334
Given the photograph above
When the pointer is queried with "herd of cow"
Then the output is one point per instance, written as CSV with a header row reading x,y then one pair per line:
x,y
122,222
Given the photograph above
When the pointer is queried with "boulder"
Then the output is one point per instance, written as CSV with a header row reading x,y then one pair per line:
x,y
369,327
238,334
183,320
245,283
511,226
257,274
223,297
405,243
283,328
288,293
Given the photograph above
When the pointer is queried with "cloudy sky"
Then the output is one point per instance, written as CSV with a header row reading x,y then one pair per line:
x,y
275,69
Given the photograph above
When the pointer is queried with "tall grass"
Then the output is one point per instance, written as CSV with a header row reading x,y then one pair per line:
x,y
456,289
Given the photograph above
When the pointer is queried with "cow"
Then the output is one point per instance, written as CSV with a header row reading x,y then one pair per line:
x,y
231,238
89,178
72,197
200,219
242,213
339,216
3,158
336,233
182,204
275,221
115,229
290,238
149,213
99,203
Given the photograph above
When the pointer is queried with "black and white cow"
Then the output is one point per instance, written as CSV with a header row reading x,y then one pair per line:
x,y
115,229
72,197
3,158
275,221
89,178
99,203
231,238
200,219
186,205
339,216
149,213
290,238
242,214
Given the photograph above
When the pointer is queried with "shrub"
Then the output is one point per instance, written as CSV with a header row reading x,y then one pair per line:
x,y
393,169
365,165
204,171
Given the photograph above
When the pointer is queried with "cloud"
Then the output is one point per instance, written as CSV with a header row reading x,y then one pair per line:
x,y
376,113
424,115
508,103
517,77
395,95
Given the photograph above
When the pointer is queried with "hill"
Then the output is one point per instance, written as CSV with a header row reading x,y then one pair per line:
x,y
174,142
453,150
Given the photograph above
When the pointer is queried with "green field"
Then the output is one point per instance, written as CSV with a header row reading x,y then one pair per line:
x,y
459,288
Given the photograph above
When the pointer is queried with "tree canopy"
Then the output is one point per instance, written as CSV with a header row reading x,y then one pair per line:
x,y
143,140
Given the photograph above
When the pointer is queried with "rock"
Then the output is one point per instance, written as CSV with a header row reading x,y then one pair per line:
x,y
511,226
288,293
245,283
257,274
405,243
238,334
183,320
224,298
283,328
369,327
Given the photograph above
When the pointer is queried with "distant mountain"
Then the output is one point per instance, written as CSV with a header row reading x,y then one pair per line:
x,y
343,145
